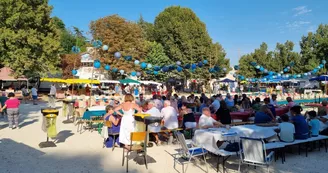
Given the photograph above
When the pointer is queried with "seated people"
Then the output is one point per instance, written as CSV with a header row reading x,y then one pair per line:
x,y
257,104
223,113
287,129
322,110
314,124
153,111
270,106
229,101
273,100
216,104
301,127
170,115
188,118
264,115
206,121
116,125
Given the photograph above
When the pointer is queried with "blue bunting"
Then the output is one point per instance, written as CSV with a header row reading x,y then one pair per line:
x,y
74,72
107,67
96,64
143,65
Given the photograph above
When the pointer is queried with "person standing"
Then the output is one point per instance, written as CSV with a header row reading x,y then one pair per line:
x,y
25,94
52,96
34,92
12,106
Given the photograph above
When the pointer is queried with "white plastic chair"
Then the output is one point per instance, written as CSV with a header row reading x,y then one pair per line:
x,y
253,152
188,153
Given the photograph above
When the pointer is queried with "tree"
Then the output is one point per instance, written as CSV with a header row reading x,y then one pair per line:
x,y
121,36
29,38
67,64
148,29
183,36
157,57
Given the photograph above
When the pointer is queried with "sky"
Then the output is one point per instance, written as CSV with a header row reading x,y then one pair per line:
x,y
240,26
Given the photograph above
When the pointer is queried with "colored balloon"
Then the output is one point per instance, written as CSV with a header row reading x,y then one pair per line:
x,y
265,71
138,74
143,65
76,49
122,71
74,72
96,64
236,67
105,47
200,64
136,62
114,70
257,67
193,66
155,72
187,66
224,69
165,69
133,73
324,61
179,69
107,67
157,68
149,66
178,63
128,58
205,61
97,43
117,55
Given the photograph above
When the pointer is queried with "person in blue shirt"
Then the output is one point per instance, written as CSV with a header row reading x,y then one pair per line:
x,y
314,124
264,115
229,101
270,106
301,127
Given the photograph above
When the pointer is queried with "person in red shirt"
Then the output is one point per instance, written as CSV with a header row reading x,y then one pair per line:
x,y
12,105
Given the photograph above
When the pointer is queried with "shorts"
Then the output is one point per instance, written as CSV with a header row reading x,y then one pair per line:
x,y
35,97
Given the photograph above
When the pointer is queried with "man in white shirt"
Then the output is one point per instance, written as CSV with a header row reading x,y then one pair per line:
x,y
273,100
287,129
158,102
170,116
52,96
153,111
206,121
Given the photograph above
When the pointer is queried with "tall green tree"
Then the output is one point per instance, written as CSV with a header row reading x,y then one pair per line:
x,y
121,36
29,39
148,29
183,36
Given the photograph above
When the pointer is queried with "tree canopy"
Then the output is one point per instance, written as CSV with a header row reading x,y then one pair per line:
x,y
29,39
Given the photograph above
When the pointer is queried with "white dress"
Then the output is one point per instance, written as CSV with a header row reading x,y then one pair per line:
x,y
127,126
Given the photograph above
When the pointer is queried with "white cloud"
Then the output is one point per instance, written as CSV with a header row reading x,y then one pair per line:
x,y
296,24
301,10
311,28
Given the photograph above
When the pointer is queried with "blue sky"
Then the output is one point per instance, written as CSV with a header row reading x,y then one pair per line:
x,y
239,26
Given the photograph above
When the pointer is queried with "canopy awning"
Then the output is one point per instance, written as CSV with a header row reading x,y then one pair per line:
x,y
150,82
226,80
129,81
53,80
320,78
6,75
82,81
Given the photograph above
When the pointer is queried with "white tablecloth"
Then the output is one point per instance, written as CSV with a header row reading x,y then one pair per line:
x,y
97,108
208,138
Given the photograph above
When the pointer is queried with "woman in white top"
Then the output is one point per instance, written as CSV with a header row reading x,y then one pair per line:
x,y
127,122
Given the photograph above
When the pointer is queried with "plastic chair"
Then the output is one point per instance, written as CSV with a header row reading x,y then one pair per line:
x,y
253,152
188,153
109,124
135,137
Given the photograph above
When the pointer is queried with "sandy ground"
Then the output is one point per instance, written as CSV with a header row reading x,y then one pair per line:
x,y
19,152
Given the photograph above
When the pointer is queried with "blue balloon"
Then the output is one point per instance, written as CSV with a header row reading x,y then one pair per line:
x,y
107,67
114,70
149,72
117,55
138,74
165,69
279,74
253,63
149,66
288,67
97,43
74,72
242,77
96,64
128,58
133,73
200,64
178,63
299,75
105,47
236,67
143,65
315,70
305,74
265,71
193,66
270,73
224,69
155,72
187,66
257,67
205,61
324,61
76,49
321,65
216,68
285,70
287,76
122,71
157,68
294,76
136,62
261,69
179,69
211,70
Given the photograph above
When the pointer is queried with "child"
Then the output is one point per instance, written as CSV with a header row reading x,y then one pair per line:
x,y
116,125
301,126
314,124
287,129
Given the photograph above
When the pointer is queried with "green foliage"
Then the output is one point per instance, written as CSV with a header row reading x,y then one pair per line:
x,y
185,38
148,29
157,57
29,38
